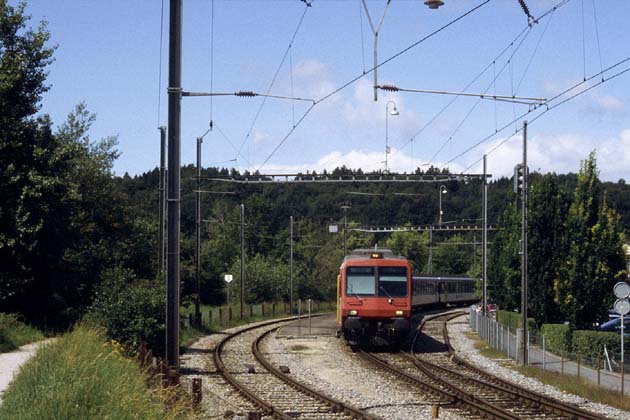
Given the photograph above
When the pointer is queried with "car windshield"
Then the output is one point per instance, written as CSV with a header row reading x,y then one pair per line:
x,y
392,281
360,281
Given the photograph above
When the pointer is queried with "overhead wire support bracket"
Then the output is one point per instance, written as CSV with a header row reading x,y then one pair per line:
x,y
357,178
245,94
525,100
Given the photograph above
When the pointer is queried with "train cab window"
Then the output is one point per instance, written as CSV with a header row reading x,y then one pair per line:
x,y
392,281
360,281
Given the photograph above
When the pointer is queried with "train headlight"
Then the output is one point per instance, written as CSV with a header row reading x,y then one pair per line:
x,y
352,312
400,313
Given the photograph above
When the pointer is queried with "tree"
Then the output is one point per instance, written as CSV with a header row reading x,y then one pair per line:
x,y
453,256
504,263
546,246
595,256
28,152
413,245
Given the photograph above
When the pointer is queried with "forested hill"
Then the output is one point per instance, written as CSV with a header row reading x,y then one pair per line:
x,y
374,205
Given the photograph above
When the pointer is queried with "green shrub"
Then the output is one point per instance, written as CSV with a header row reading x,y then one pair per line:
x,y
80,376
557,337
130,309
591,343
14,333
514,321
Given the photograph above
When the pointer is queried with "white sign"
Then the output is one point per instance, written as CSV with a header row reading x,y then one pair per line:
x,y
622,306
228,278
621,290
333,228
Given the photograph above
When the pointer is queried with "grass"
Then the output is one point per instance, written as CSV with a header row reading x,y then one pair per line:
x,y
577,386
14,333
81,376
565,383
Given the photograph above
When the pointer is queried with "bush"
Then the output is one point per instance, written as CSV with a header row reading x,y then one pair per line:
x,y
14,333
514,321
130,309
557,337
81,377
591,343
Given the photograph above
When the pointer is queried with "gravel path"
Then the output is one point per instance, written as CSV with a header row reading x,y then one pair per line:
x,y
10,362
466,349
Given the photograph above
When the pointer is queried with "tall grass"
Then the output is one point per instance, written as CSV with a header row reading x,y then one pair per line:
x,y
81,376
14,333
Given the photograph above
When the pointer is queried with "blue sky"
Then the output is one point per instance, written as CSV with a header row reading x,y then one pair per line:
x,y
109,56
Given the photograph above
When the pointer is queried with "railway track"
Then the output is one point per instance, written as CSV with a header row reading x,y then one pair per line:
x,y
439,372
240,360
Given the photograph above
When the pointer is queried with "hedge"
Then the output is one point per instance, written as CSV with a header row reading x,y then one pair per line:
x,y
591,343
514,321
557,337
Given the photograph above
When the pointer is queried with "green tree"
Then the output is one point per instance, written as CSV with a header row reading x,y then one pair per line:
x,y
504,264
595,256
453,256
547,211
413,245
28,153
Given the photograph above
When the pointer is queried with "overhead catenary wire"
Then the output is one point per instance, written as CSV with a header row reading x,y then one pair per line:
x,y
357,78
547,108
275,76
599,48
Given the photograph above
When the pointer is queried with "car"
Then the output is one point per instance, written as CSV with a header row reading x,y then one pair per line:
x,y
614,325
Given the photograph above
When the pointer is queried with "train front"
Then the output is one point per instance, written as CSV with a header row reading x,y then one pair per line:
x,y
375,298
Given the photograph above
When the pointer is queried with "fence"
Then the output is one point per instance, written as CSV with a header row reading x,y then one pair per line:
x,y
606,371
226,316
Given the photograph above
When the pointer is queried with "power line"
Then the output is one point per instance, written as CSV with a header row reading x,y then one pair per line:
x,y
355,79
275,76
547,109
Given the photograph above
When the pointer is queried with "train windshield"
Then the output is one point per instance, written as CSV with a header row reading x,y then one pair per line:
x,y
360,281
392,281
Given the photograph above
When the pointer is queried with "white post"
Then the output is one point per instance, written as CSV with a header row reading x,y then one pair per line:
x,y
309,316
544,351
508,342
527,344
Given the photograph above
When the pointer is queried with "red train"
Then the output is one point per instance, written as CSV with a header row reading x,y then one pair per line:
x,y
376,295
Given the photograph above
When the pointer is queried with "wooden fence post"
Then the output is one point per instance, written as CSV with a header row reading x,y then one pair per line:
x,y
578,364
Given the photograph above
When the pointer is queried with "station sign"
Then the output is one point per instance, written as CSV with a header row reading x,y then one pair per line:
x,y
228,278
621,290
622,306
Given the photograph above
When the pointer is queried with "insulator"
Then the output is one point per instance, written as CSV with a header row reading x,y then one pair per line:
x,y
247,93
390,88
525,8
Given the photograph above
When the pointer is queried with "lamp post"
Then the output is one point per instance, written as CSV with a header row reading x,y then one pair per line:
x,y
394,111
443,190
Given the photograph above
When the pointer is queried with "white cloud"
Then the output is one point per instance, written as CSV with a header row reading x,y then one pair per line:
x,y
261,137
561,154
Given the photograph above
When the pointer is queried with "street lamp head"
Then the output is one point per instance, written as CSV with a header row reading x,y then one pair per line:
x,y
444,191
394,111
434,4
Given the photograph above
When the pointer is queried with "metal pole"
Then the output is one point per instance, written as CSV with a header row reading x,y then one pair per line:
x,y
174,167
524,245
484,240
345,230
386,127
242,258
431,249
198,228
622,340
162,201
440,218
291,263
